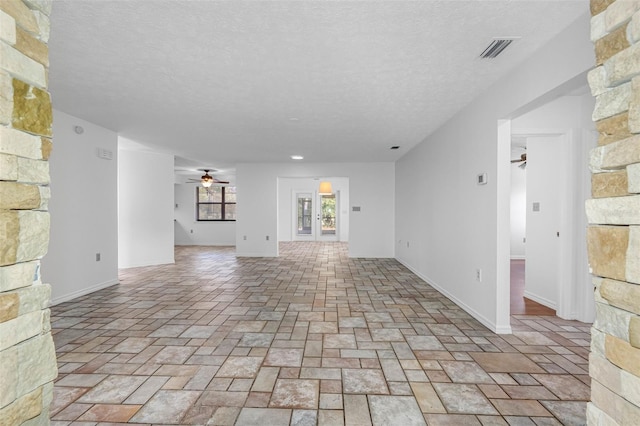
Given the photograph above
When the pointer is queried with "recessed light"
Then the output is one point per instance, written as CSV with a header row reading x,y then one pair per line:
x,y
297,157
395,147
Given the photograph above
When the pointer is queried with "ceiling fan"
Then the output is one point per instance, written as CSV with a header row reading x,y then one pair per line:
x,y
207,180
522,159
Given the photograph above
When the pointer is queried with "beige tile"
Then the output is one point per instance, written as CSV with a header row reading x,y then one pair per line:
x,y
240,367
364,381
295,393
215,339
400,410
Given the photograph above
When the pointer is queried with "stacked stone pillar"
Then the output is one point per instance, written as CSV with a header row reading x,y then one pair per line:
x,y
614,214
27,355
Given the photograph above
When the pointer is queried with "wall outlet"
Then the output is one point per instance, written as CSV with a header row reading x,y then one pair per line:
x,y
267,238
97,257
479,275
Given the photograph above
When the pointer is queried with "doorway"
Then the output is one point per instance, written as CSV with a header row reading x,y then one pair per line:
x,y
528,185
316,216
559,135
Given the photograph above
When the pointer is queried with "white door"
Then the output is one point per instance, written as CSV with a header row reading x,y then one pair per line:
x,y
315,216
545,164
327,217
304,211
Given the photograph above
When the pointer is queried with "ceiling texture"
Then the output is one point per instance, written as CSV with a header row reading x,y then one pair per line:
x,y
222,82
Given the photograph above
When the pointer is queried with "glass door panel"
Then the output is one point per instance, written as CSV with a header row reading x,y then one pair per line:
x,y
305,214
328,220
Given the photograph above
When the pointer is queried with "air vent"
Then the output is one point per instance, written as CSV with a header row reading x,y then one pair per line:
x,y
496,47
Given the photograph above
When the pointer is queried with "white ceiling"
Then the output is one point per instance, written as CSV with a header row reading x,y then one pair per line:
x,y
221,82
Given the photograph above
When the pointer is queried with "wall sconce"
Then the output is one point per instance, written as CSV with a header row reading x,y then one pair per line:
x,y
325,188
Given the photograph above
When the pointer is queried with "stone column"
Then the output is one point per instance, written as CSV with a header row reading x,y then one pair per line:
x,y
614,214
27,355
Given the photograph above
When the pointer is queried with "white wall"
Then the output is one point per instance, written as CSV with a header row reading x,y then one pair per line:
x,y
145,208
190,232
83,210
286,217
518,211
371,187
454,226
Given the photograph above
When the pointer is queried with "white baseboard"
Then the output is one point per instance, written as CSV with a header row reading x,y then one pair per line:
x,y
192,244
140,263
483,320
541,300
370,256
518,257
82,292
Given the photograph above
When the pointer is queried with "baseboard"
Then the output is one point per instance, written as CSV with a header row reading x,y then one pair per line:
x,y
370,256
518,257
233,244
541,300
481,318
154,262
83,292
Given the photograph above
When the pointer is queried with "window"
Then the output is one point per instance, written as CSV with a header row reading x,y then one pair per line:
x,y
216,203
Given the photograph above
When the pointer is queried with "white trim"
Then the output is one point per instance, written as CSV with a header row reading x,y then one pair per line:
x,y
541,300
371,256
82,292
518,257
148,263
203,245
475,314
502,295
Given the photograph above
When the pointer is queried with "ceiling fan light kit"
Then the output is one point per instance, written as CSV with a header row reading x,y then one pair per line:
x,y
207,180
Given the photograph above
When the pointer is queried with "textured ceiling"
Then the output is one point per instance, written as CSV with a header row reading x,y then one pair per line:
x,y
221,82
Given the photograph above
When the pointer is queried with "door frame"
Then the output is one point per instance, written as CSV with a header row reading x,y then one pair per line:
x,y
567,300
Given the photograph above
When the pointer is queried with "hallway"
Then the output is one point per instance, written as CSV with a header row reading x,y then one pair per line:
x,y
311,337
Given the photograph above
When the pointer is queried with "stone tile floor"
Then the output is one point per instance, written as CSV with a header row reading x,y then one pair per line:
x,y
311,337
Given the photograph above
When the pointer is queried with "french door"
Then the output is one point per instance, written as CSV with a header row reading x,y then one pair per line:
x,y
315,216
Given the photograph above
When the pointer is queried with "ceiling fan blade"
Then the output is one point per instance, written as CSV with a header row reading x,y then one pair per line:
x,y
221,181
516,161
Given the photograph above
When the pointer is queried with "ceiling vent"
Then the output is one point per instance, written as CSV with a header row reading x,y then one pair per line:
x,y
496,47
